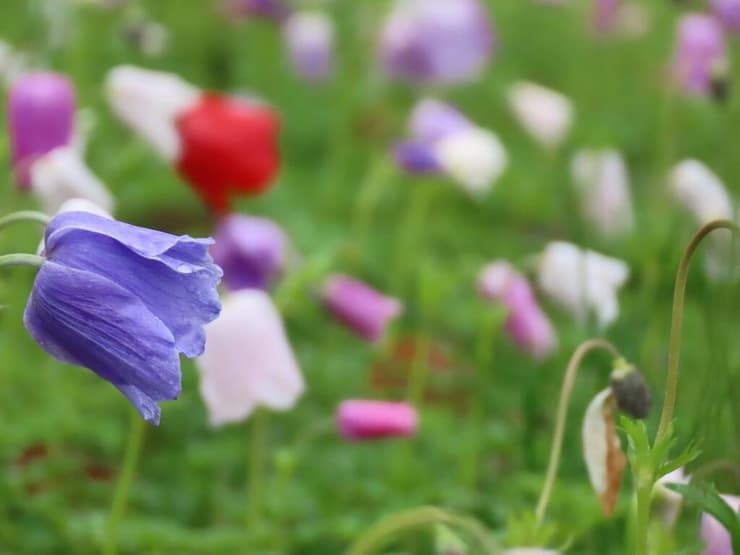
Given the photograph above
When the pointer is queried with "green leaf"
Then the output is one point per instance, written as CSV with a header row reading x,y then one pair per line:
x,y
690,453
710,501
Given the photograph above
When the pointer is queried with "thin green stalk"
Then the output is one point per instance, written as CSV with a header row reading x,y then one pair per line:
x,y
565,390
644,492
21,259
24,216
369,195
379,534
255,468
123,486
679,292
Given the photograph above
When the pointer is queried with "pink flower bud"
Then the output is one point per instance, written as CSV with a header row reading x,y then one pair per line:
x,y
701,56
41,110
359,420
361,308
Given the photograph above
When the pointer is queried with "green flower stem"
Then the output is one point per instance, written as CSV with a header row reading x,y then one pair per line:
x,y
21,259
379,534
674,350
120,496
24,216
565,392
255,468
642,519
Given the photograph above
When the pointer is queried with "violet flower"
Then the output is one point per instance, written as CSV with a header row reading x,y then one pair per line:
x,y
360,420
728,13
444,141
436,41
309,38
124,302
526,323
248,361
700,58
717,540
365,311
41,112
250,250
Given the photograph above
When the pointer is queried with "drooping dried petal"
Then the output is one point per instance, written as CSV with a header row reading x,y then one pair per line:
x,y
602,451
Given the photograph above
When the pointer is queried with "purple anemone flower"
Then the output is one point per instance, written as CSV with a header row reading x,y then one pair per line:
x,y
123,301
436,41
728,13
701,53
361,308
41,111
250,250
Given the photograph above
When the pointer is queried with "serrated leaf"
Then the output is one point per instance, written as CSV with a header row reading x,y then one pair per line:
x,y
690,453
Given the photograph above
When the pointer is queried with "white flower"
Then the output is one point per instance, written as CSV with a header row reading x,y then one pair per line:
x,y
248,361
545,114
601,179
700,191
309,37
473,157
668,502
149,102
60,175
582,281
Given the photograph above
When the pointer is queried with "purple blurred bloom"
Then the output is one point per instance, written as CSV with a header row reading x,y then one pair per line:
x,y
123,301
359,419
701,54
250,250
526,323
309,37
361,308
716,538
606,15
416,157
275,10
41,110
728,13
442,41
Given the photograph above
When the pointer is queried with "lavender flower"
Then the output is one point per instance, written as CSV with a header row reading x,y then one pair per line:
x,y
123,301
728,13
41,110
701,54
359,419
443,140
250,250
436,41
361,308
309,37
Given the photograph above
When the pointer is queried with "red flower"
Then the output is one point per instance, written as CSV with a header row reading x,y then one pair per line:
x,y
229,147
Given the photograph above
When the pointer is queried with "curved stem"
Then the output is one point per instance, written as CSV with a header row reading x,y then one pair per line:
x,y
565,391
21,259
24,216
378,534
120,497
679,291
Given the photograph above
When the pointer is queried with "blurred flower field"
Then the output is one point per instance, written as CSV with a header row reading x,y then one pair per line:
x,y
394,195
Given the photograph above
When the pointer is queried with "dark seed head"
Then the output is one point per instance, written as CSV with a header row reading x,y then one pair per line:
x,y
630,390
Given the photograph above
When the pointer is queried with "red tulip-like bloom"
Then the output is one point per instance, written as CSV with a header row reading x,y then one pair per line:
x,y
223,146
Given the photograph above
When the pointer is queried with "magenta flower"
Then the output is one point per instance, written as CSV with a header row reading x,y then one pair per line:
x,y
41,110
716,538
360,420
309,38
361,308
436,41
728,13
526,323
250,250
701,54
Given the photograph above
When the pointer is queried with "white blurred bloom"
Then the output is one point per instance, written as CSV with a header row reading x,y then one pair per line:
x,y
149,102
545,114
582,281
309,37
602,180
60,175
248,361
668,502
473,157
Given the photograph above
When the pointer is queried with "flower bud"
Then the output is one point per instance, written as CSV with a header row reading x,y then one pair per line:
x,y
700,52
545,114
630,390
364,419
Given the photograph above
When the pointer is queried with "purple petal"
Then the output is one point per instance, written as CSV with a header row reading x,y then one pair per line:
x,y
85,319
177,285
309,38
728,13
359,419
432,121
416,157
250,250
41,109
444,41
700,52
